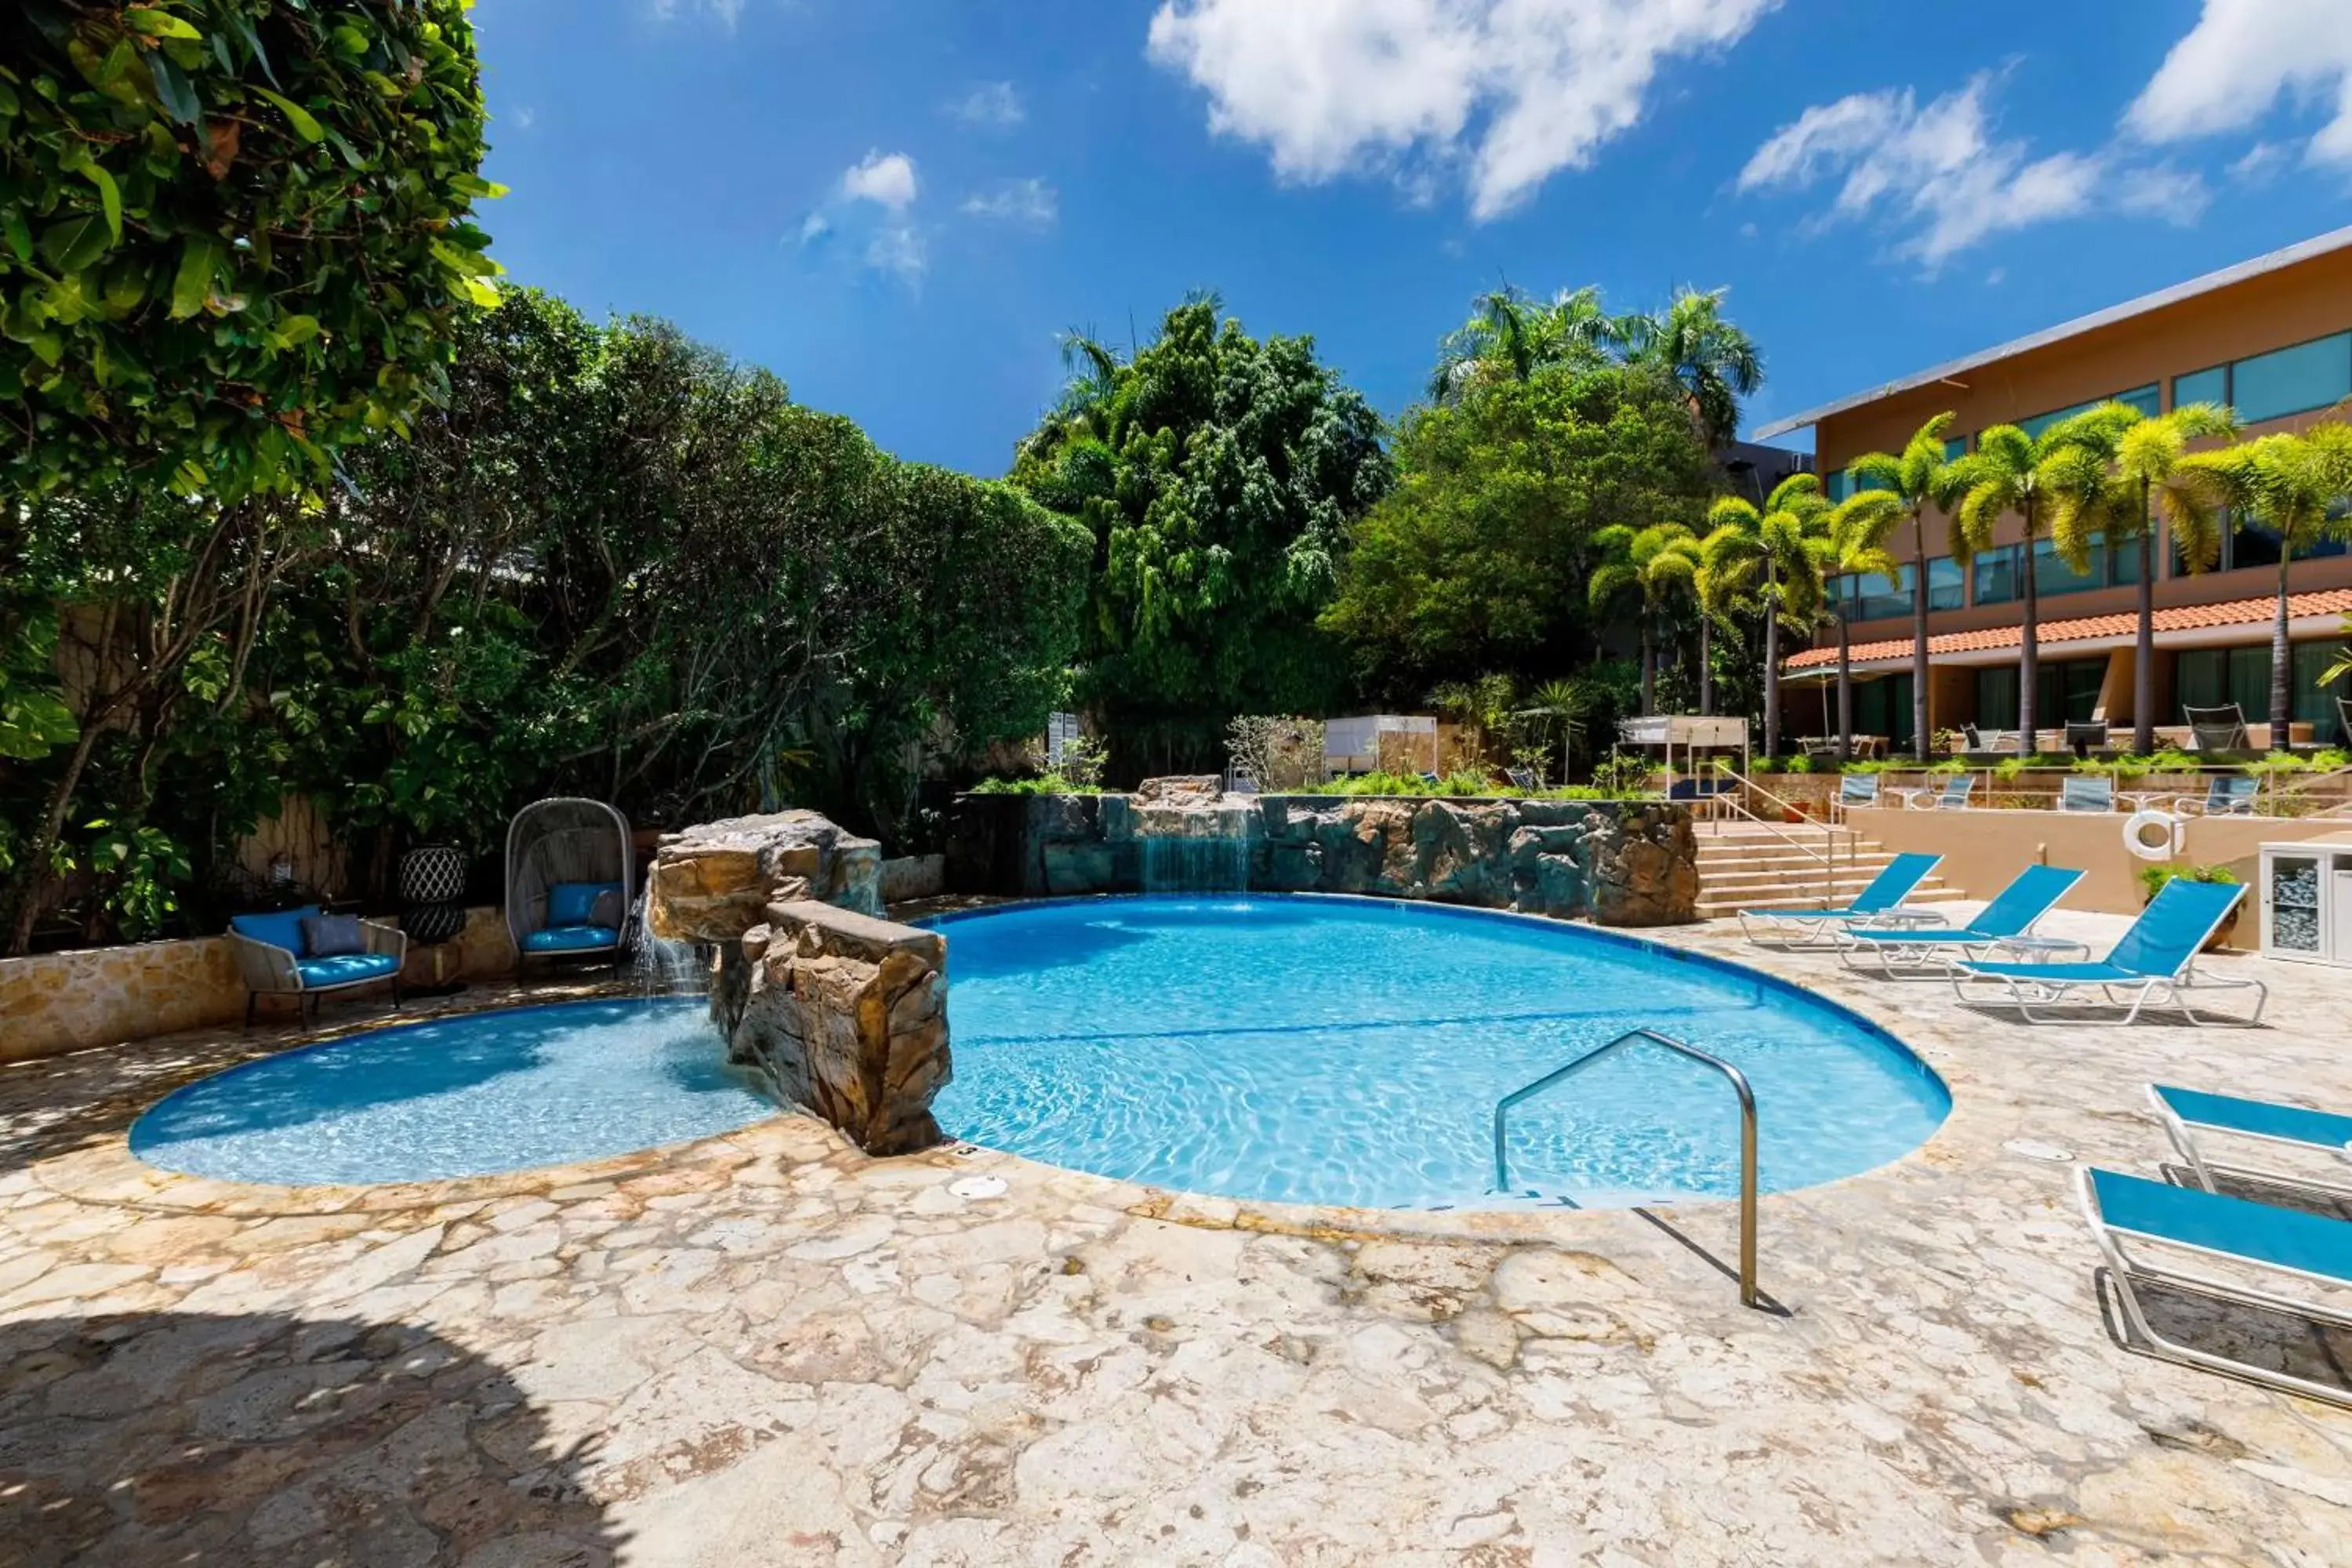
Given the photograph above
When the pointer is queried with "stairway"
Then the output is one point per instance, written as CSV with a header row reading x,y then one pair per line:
x,y
1744,866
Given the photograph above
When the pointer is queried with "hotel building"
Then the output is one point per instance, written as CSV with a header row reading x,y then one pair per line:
x,y
2272,337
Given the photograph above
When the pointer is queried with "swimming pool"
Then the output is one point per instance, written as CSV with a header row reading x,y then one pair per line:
x,y
1351,1051
470,1095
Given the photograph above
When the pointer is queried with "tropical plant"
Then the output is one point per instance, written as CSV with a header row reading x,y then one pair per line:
x,y
237,235
2293,485
1721,584
2342,669
2121,480
1484,707
1654,566
1901,488
1713,362
1511,335
2152,878
2009,472
1857,548
1787,544
1482,558
1219,476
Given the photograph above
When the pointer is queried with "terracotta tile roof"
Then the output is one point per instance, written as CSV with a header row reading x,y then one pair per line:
x,y
2182,619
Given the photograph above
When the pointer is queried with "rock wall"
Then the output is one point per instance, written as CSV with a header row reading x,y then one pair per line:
x,y
1622,863
845,1014
713,883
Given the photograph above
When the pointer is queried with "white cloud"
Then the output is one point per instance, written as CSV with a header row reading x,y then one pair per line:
x,y
1516,89
1941,175
525,117
726,13
994,104
816,227
897,249
886,179
2260,163
2236,63
1031,201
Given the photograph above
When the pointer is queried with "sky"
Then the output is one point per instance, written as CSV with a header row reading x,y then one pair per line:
x,y
899,205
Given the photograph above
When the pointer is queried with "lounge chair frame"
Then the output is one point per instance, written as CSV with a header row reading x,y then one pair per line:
x,y
1820,927
2026,992
1932,950
2183,1135
2127,1272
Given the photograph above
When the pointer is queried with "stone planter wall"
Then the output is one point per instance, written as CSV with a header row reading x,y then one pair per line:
x,y
1632,863
57,1002
912,876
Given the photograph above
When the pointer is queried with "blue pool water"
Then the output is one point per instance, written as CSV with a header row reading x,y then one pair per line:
x,y
1345,1052
459,1097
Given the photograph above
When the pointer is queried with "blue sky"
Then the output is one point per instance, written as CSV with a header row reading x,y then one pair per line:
x,y
896,205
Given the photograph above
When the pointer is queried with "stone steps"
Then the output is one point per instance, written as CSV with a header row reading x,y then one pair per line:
x,y
1757,870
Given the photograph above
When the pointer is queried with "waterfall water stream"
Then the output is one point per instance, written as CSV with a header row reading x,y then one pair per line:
x,y
665,968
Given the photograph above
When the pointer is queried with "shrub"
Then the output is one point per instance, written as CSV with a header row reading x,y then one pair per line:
x,y
2152,878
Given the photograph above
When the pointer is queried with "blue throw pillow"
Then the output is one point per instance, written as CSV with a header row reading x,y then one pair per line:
x,y
279,928
571,903
331,936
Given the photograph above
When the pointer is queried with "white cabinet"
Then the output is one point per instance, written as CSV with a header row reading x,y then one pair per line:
x,y
2306,899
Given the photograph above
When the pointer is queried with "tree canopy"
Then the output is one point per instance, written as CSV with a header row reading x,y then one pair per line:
x,y
1218,474
233,234
1480,560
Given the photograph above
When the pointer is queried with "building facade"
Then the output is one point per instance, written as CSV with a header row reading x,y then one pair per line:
x,y
2272,337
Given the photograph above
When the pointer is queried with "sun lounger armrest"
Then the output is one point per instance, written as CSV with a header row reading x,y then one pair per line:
x,y
385,939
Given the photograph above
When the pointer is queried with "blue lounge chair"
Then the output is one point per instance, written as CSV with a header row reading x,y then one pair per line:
x,y
2086,792
2151,964
1881,903
1953,796
2239,1231
2186,1113
2033,892
2226,794
1855,790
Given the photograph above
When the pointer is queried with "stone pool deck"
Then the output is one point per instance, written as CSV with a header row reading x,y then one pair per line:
x,y
766,1348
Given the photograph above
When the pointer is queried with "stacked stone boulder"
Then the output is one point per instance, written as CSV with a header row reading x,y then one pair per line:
x,y
842,1012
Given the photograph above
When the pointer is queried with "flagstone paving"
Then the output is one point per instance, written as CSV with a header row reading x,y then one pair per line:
x,y
766,1348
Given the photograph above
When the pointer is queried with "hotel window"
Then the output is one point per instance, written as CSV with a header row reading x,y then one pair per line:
x,y
2143,398
1947,589
2202,386
1956,448
2292,381
1996,576
1836,486
1997,581
2210,677
2253,542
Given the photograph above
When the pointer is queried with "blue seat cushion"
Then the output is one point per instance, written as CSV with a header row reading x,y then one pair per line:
x,y
571,939
2229,1226
2258,1117
277,928
345,969
571,903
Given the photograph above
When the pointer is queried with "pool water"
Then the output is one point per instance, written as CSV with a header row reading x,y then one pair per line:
x,y
1352,1051
463,1096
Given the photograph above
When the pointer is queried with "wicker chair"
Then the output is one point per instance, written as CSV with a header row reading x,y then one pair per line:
x,y
566,858
274,958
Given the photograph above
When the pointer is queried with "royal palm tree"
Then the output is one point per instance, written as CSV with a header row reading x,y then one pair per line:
x,y
1904,486
2009,472
1511,335
1726,572
2291,484
2127,483
1786,541
1857,547
1656,565
1714,362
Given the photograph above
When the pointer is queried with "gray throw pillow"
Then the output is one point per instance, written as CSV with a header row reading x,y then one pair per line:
x,y
606,910
329,936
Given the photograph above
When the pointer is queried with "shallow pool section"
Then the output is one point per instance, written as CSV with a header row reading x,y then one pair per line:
x,y
464,1095
1351,1051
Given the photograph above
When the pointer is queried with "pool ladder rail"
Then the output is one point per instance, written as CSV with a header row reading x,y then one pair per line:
x,y
1748,1295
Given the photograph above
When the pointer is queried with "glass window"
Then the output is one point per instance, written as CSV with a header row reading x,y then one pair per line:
x,y
1874,601
1996,574
2215,677
1996,697
1947,589
1956,447
2067,691
2292,381
2052,575
2201,386
2040,422
2316,703
1883,707
1836,486
2143,398
2123,562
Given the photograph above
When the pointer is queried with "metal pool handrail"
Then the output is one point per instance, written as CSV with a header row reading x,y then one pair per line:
x,y
1748,1293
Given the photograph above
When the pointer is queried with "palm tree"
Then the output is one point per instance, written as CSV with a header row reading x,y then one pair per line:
x,y
1785,543
2123,485
1661,562
1906,486
1857,547
2291,483
2342,669
1726,572
2009,472
1511,335
1714,362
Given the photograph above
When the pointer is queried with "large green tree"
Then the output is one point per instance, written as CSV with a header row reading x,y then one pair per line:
x,y
234,235
1481,560
1656,568
1902,487
1787,542
1219,475
1710,357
